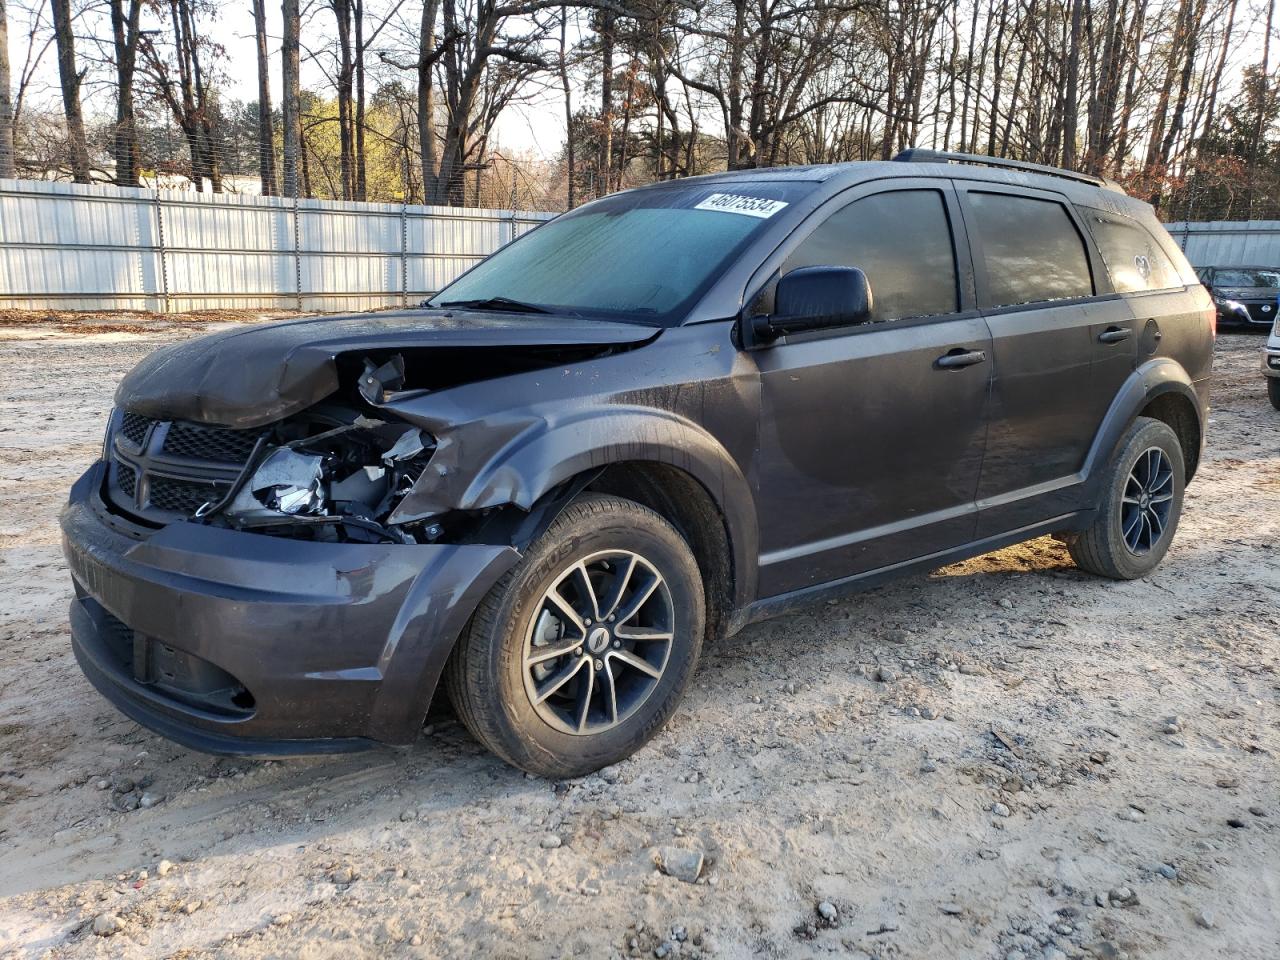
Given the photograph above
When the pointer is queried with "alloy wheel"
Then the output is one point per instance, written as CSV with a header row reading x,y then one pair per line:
x,y
598,642
1147,501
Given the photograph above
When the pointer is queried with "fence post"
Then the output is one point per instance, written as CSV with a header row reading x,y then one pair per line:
x,y
404,253
164,258
297,251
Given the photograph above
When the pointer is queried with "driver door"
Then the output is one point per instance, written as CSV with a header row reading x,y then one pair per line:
x,y
872,436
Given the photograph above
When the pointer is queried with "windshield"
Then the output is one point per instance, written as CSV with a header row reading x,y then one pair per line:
x,y
1246,277
643,256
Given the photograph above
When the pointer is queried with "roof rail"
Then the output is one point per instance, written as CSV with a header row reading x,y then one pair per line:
x,y
921,155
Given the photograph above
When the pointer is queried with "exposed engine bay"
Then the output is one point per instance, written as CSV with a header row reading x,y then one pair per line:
x,y
342,483
332,473
322,429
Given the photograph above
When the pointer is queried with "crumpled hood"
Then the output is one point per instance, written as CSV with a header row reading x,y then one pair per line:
x,y
252,376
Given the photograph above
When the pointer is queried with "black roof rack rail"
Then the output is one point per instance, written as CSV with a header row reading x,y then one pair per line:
x,y
921,155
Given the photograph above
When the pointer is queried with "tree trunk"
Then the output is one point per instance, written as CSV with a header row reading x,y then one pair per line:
x,y
291,106
346,70
1216,82
362,173
427,101
997,75
266,133
70,79
1071,107
737,53
570,164
125,32
1102,106
1184,84
606,102
6,105
1260,127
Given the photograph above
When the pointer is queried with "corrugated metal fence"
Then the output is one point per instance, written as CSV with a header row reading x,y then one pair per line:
x,y
99,247
1229,242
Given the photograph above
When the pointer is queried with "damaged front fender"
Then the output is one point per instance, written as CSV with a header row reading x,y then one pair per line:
x,y
683,401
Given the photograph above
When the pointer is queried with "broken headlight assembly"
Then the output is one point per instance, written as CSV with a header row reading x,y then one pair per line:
x,y
340,484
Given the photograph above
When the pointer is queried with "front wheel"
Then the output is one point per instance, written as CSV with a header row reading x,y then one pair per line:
x,y
581,652
1140,505
1273,391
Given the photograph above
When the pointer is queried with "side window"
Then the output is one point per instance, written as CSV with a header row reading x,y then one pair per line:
x,y
1134,259
1031,250
901,240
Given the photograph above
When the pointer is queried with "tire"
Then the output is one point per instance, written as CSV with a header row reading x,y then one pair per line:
x,y
1273,391
521,642
1115,546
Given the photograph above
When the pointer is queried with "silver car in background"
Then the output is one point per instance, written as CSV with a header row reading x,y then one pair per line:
x,y
1271,365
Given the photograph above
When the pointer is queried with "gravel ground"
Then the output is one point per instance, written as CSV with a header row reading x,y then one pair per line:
x,y
1003,759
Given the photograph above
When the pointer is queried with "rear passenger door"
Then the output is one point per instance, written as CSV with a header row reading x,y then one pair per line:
x,y
1061,343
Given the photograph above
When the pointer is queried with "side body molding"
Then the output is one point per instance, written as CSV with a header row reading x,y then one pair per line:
x,y
1154,378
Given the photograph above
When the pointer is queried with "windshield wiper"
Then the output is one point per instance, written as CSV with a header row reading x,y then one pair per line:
x,y
497,303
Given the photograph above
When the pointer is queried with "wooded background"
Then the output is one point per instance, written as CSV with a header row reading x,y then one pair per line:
x,y
1177,99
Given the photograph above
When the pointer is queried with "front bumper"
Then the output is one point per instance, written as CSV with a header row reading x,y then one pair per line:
x,y
1271,361
248,644
1247,313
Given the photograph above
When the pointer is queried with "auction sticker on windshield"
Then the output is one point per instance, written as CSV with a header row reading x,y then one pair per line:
x,y
749,206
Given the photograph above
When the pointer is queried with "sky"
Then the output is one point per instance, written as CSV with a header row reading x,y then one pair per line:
x,y
524,128
533,128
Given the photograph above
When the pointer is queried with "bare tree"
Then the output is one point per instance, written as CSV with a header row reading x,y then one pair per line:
x,y
6,103
71,78
266,132
187,95
126,31
291,105
562,64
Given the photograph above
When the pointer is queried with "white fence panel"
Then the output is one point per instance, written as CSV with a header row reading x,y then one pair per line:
x,y
76,247
1229,242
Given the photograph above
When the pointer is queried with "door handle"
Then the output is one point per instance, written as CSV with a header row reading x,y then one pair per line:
x,y
1115,335
960,358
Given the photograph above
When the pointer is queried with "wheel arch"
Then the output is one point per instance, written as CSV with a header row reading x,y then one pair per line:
x,y
1161,389
674,494
654,457
1179,412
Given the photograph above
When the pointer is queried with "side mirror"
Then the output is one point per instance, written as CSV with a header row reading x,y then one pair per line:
x,y
814,298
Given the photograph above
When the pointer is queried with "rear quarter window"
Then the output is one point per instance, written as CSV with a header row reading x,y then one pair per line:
x,y
1135,259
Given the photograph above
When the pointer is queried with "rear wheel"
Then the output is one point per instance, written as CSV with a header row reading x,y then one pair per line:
x,y
581,653
1140,505
1273,391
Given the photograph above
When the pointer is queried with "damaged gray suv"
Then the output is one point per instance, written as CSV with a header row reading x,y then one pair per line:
x,y
649,422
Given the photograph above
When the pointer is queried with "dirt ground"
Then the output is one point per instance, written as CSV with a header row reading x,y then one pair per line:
x,y
1003,759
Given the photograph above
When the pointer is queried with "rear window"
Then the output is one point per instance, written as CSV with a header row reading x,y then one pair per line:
x,y
1031,250
1134,259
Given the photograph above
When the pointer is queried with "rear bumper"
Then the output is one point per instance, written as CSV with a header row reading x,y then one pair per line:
x,y
243,643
